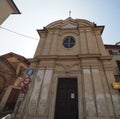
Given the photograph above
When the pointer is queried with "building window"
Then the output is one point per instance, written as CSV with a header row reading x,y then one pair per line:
x,y
117,77
68,42
110,52
113,52
118,63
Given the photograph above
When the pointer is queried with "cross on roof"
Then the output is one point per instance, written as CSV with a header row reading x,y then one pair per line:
x,y
70,13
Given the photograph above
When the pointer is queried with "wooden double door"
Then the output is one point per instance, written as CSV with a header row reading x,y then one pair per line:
x,y
66,99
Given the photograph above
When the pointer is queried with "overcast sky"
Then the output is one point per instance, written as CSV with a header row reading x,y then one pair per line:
x,y
36,14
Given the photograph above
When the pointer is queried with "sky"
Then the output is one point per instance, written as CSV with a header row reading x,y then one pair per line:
x,y
36,14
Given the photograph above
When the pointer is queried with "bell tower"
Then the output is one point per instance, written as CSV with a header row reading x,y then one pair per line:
x,y
73,74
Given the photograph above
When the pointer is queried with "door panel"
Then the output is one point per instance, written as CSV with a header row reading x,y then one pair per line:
x,y
12,99
66,99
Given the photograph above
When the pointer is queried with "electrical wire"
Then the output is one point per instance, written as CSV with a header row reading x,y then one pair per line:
x,y
18,33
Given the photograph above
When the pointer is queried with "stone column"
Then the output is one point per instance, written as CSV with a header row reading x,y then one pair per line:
x,y
48,42
41,44
83,43
100,43
43,105
32,106
99,93
92,44
90,108
54,43
80,94
107,93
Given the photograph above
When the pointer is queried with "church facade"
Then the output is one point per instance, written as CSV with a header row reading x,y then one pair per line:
x,y
73,75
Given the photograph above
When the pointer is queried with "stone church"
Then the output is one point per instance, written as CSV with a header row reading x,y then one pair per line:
x,y
73,75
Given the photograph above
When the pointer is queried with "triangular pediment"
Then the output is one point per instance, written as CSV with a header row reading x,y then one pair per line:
x,y
69,26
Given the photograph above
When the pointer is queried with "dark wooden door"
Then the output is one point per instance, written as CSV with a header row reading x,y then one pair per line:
x,y
12,99
66,99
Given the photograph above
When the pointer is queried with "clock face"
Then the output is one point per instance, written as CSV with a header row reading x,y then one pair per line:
x,y
68,42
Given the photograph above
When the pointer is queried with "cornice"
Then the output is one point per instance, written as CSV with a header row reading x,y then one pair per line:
x,y
71,57
14,7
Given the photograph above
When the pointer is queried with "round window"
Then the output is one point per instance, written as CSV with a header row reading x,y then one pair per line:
x,y
68,42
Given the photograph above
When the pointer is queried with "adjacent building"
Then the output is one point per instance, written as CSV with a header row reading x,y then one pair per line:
x,y
114,51
8,73
12,73
73,75
7,7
